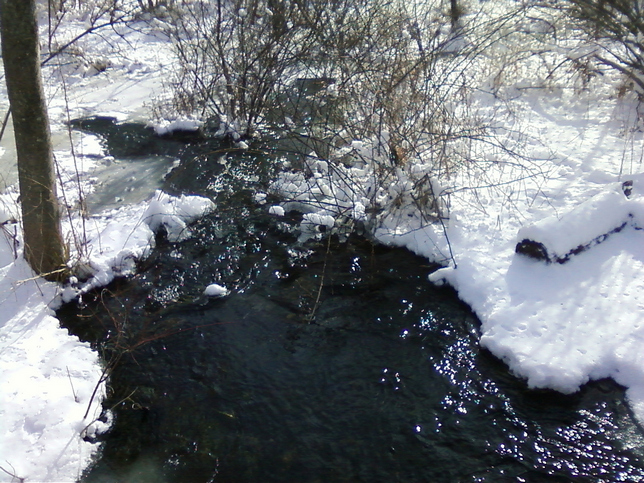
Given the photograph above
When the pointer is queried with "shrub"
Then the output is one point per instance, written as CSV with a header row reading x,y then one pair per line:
x,y
616,28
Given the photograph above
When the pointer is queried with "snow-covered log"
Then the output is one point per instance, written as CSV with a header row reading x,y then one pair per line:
x,y
556,240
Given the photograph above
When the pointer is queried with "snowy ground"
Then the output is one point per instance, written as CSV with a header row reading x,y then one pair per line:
x,y
558,325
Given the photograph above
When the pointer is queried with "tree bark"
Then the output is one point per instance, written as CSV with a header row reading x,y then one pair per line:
x,y
44,248
455,13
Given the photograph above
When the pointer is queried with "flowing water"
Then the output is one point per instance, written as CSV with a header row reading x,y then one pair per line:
x,y
332,360
138,162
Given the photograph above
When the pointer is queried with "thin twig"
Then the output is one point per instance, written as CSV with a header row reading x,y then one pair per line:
x,y
4,123
311,316
71,383
13,475
101,380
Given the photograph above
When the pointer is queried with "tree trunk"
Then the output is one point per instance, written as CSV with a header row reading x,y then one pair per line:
x,y
455,13
44,248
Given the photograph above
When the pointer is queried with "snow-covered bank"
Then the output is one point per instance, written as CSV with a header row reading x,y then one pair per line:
x,y
560,325
46,381
47,376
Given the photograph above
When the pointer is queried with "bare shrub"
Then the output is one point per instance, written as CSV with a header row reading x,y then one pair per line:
x,y
330,71
234,56
616,31
369,100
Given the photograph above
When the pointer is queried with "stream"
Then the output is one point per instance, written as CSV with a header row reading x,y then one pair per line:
x,y
332,360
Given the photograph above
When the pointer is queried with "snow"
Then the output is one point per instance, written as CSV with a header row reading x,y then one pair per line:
x,y
172,213
47,377
215,290
558,325
165,126
276,210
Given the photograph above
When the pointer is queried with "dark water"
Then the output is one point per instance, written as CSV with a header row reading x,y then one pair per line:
x,y
330,361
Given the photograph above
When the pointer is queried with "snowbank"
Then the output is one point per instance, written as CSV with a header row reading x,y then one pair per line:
x,y
560,325
47,379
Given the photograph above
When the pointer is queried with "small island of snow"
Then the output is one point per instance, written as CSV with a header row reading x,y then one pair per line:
x,y
215,290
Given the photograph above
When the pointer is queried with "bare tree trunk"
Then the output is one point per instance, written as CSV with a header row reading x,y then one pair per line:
x,y
44,248
455,13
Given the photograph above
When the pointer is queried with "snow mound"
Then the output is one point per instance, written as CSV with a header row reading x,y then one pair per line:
x,y
165,126
215,290
592,222
276,210
173,214
116,239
